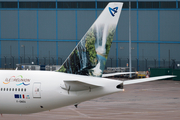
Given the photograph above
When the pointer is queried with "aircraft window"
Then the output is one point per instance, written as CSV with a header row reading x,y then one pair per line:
x,y
18,89
15,89
9,89
4,89
21,89
12,89
24,89
1,89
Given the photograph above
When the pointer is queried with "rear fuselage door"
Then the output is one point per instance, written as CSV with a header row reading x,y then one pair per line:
x,y
37,90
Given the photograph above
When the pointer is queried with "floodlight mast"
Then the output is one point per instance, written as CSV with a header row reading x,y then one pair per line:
x,y
130,38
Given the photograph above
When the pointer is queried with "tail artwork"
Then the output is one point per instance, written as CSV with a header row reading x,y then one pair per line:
x,y
90,55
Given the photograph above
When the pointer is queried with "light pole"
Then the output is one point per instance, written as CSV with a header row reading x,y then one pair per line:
x,y
130,38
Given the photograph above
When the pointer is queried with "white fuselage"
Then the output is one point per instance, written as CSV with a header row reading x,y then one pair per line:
x,y
42,91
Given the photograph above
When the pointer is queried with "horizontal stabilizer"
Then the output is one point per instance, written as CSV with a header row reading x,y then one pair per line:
x,y
75,85
118,73
128,82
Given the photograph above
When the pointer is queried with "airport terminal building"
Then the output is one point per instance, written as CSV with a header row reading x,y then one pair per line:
x,y
46,31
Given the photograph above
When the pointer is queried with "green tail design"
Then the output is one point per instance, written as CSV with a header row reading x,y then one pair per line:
x,y
90,55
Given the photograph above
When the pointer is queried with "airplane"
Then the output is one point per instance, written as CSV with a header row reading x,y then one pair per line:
x,y
79,78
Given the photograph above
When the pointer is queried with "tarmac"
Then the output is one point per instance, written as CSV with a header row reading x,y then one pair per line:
x,y
158,100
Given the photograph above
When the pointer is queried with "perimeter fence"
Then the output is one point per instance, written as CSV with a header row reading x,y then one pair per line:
x,y
139,65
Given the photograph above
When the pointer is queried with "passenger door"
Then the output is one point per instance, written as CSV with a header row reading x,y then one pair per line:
x,y
37,90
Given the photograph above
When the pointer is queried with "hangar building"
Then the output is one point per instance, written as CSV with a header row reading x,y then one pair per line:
x,y
46,31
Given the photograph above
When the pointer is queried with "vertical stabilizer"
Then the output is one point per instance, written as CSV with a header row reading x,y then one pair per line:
x,y
90,55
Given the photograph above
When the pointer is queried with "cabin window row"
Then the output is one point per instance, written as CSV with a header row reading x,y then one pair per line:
x,y
14,89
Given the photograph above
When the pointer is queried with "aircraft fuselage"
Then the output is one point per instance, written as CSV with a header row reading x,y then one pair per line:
x,y
23,92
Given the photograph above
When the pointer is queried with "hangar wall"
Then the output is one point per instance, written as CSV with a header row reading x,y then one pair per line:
x,y
48,35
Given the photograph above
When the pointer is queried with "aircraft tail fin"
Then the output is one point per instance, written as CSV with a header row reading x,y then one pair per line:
x,y
90,55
